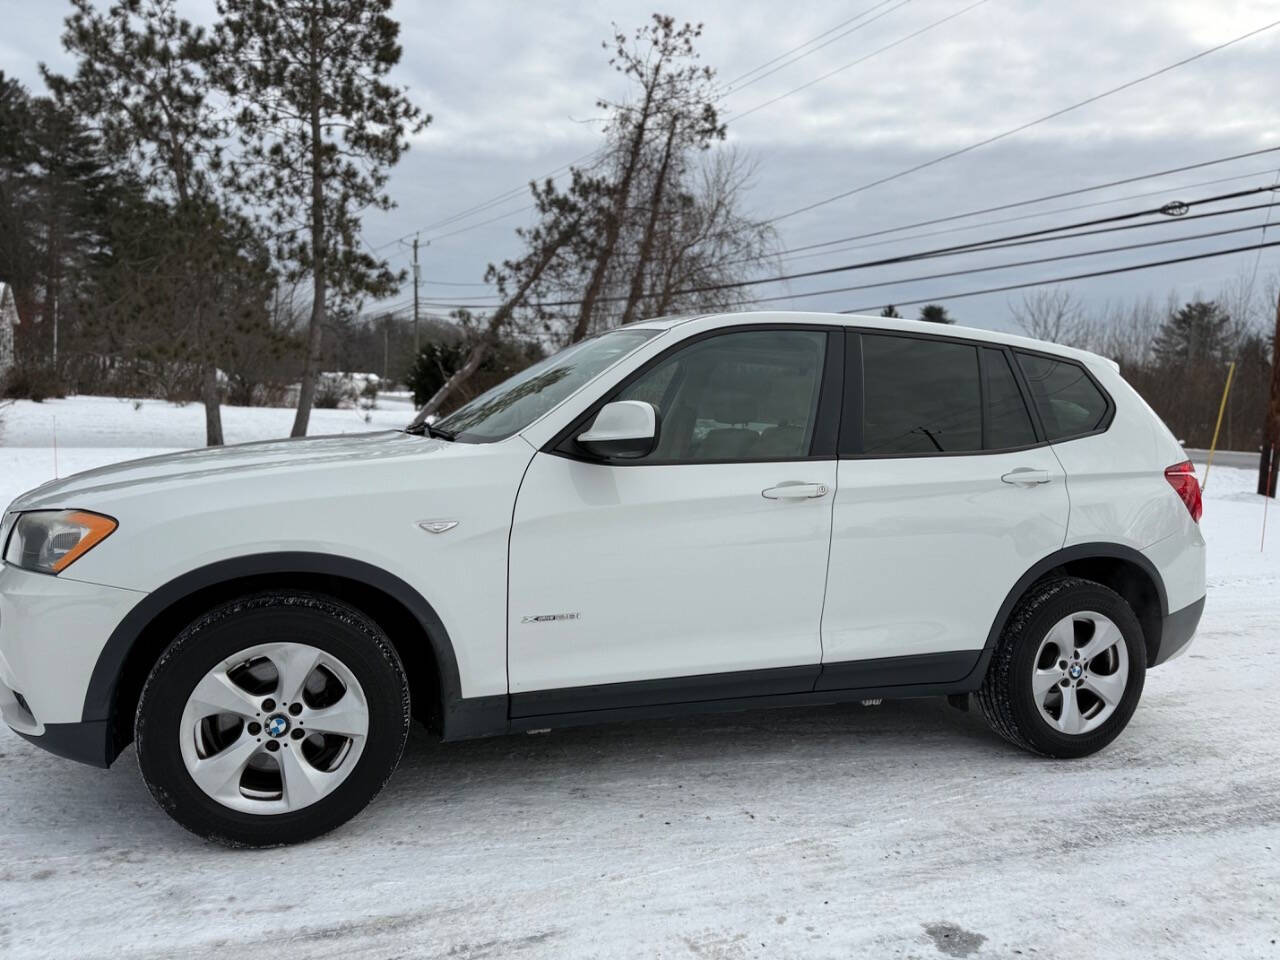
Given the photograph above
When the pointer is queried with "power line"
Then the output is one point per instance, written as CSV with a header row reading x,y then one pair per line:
x,y
786,53
1172,221
514,192
970,147
995,243
1176,214
727,88
1257,261
485,223
899,174
792,253
862,59
500,198
456,283
1079,276
731,89
956,249
511,194
1013,264
1024,285
1060,195
1024,126
488,204
1021,217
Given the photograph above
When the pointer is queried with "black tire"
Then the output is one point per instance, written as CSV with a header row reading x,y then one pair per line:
x,y
1006,696
320,621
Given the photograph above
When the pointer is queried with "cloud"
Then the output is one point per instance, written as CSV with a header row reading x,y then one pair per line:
x,y
512,88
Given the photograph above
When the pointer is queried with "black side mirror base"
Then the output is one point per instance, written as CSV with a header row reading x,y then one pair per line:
x,y
632,449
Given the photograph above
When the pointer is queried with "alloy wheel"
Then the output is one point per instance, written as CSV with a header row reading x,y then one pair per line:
x,y
1081,671
274,728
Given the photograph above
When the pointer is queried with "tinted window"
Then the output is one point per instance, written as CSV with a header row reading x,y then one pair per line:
x,y
515,403
738,396
1008,420
1069,403
920,396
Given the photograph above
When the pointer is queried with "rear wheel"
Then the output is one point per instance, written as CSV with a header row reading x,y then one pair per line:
x,y
1067,671
272,719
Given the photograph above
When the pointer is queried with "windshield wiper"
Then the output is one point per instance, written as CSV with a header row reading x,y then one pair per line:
x,y
418,429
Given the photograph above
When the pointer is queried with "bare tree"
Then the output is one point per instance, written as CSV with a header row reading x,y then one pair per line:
x,y
1051,314
1126,332
711,244
673,113
658,226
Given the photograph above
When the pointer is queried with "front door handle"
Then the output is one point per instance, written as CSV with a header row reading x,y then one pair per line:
x,y
1027,477
795,490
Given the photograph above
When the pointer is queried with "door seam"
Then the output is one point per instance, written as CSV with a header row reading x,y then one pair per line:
x,y
826,579
1066,486
506,620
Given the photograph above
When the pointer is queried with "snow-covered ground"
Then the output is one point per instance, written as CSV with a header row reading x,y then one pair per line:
x,y
906,830
80,433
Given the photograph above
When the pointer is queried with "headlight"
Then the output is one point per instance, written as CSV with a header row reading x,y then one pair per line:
x,y
49,541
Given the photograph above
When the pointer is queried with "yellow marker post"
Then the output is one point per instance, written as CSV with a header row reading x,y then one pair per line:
x,y
1222,407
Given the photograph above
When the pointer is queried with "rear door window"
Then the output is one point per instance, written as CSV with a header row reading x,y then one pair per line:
x,y
920,397
1008,422
927,397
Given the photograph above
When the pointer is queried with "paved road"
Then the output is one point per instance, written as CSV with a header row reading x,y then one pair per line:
x,y
1227,458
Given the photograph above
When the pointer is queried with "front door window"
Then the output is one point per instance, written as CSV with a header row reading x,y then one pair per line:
x,y
744,396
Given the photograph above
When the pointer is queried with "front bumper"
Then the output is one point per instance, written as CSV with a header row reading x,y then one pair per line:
x,y
86,742
52,631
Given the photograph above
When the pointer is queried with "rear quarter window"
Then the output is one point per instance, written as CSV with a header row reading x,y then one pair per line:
x,y
1069,402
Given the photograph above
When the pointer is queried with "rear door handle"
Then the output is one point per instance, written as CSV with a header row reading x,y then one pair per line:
x,y
1027,477
795,490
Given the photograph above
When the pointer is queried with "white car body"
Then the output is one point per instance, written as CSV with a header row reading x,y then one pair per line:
x,y
569,590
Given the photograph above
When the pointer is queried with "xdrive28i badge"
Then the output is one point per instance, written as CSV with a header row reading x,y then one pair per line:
x,y
549,617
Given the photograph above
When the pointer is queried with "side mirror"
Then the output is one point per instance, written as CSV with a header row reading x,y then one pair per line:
x,y
624,429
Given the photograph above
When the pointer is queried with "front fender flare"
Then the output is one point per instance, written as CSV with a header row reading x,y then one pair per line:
x,y
103,682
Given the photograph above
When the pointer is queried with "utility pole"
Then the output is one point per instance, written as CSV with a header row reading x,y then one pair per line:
x,y
416,276
1269,462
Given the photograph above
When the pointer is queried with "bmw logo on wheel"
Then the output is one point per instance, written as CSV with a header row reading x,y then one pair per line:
x,y
277,726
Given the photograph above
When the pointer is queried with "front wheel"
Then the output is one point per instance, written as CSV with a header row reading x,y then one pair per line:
x,y
272,719
1067,671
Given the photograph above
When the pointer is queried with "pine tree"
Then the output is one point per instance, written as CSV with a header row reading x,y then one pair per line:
x,y
53,181
319,128
162,318
143,78
935,313
1198,333
891,311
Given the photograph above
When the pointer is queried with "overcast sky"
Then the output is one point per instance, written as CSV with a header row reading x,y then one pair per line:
x,y
511,87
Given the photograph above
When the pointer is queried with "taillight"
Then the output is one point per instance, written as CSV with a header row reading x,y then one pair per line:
x,y
1182,477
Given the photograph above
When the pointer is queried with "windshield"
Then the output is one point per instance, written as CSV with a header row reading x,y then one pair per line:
x,y
515,403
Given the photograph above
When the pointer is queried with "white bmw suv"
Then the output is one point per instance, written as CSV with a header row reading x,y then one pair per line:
x,y
685,514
